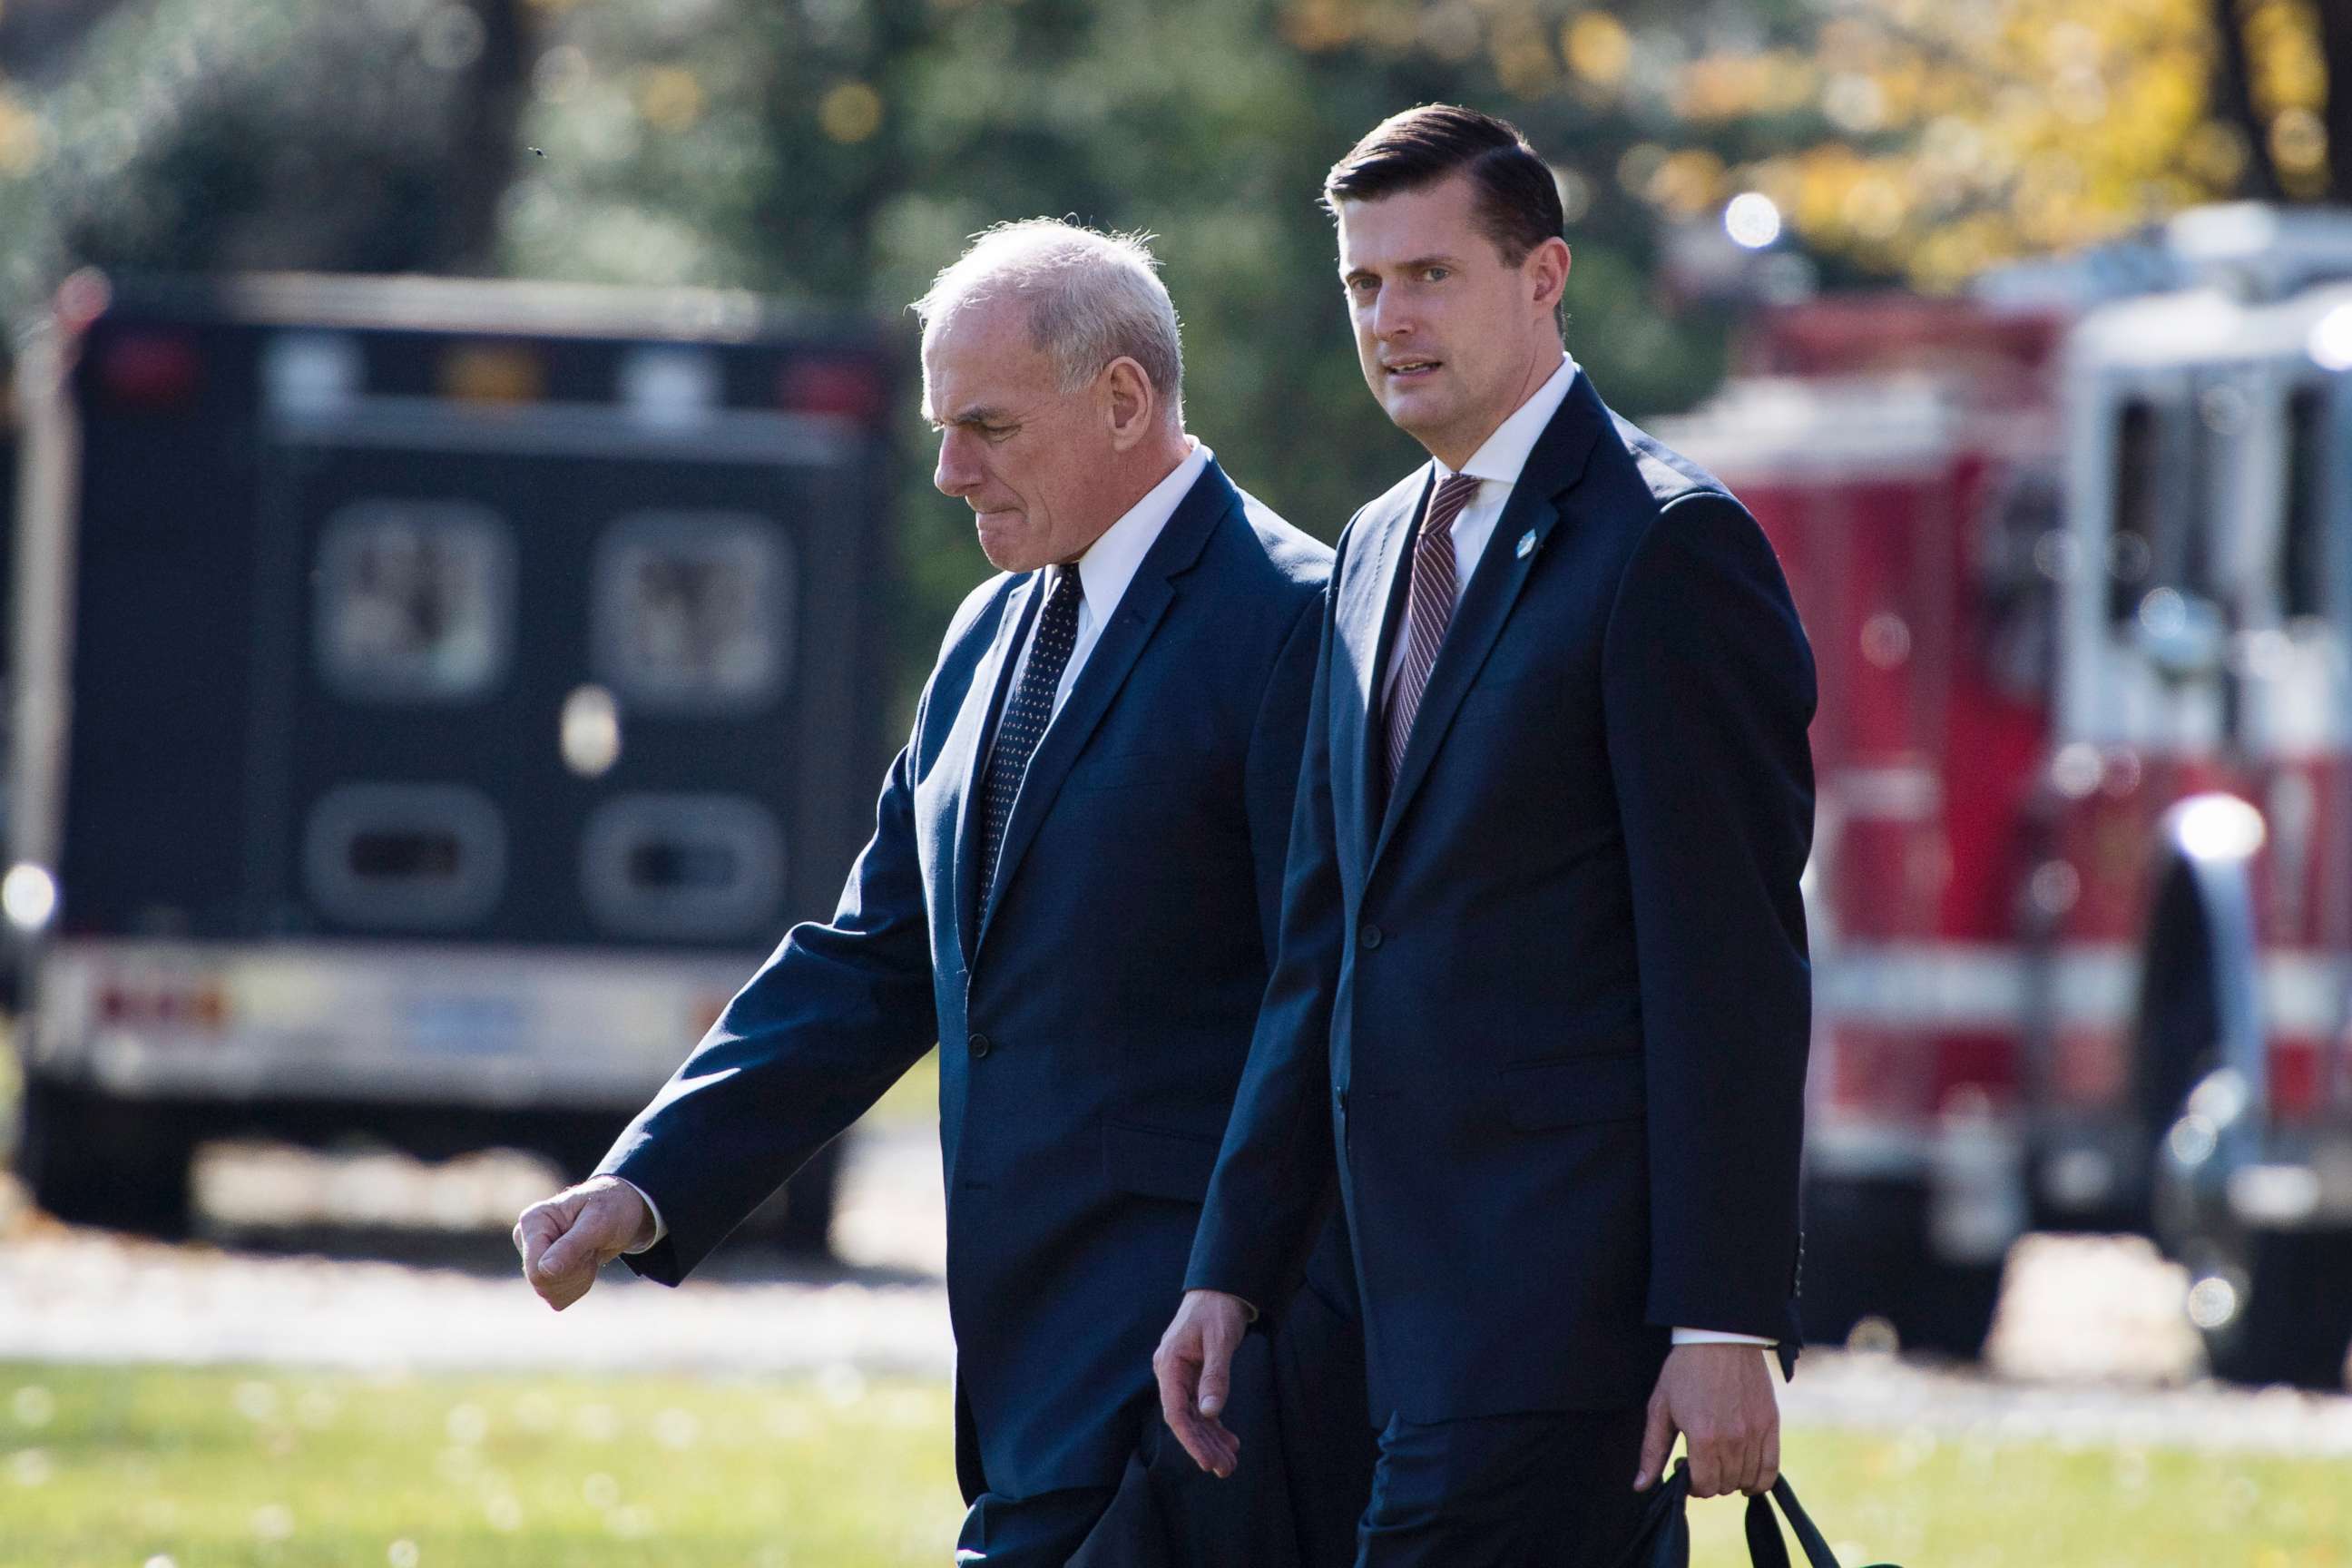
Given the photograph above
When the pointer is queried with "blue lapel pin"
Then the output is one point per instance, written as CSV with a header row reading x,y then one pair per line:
x,y
1527,545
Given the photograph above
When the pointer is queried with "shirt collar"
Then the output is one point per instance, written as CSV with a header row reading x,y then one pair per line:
x,y
1109,563
1505,451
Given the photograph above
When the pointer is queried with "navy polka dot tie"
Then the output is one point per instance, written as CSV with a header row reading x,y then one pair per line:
x,y
1026,714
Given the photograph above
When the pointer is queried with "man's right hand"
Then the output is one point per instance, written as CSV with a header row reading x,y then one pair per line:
x,y
1194,1364
566,1238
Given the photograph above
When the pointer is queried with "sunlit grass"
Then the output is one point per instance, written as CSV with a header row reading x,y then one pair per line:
x,y
115,1469
914,1098
1927,1500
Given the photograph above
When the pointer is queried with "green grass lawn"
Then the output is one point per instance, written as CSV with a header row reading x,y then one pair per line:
x,y
914,1098
109,1467
103,1467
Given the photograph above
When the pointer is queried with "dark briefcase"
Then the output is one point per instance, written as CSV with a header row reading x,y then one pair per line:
x,y
1665,1537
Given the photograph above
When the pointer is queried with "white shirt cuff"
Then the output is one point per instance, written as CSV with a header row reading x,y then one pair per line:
x,y
1717,1337
652,1208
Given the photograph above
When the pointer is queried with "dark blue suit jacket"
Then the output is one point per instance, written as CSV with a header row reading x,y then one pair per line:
x,y
1093,1020
1541,1009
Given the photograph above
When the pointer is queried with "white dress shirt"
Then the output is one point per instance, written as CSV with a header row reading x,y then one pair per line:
x,y
1105,570
1110,565
1496,465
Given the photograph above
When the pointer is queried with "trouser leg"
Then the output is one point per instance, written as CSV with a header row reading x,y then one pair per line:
x,y
1041,1531
1547,1490
1328,1442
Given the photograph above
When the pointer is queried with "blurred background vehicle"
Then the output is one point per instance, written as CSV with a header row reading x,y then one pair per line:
x,y
2075,553
431,699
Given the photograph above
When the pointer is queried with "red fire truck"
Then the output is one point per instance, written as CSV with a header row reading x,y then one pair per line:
x,y
2076,556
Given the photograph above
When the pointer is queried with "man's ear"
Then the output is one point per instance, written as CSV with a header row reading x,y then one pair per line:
x,y
1546,270
1130,403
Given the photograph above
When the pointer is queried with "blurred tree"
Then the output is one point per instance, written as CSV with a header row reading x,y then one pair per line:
x,y
2276,59
838,152
38,37
1908,137
191,134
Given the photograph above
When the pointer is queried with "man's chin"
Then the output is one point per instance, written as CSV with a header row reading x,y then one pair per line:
x,y
1006,549
1414,411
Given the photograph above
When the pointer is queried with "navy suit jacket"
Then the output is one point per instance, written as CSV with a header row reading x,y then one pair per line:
x,y
1093,1019
1541,1008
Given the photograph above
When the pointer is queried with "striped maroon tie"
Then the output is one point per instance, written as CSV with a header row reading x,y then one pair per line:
x,y
1428,609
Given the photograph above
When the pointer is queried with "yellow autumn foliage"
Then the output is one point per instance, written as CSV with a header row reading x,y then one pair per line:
x,y
1923,137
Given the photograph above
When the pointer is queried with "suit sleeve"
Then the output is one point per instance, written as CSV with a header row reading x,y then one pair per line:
x,y
837,1014
1708,686
1275,1175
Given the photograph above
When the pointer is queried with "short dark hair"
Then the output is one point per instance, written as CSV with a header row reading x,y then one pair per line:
x,y
1518,200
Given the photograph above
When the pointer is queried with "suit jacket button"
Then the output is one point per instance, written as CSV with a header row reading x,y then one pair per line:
x,y
979,1044
1370,937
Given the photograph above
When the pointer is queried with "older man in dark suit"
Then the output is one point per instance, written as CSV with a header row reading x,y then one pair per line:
x,y
1540,1012
1073,886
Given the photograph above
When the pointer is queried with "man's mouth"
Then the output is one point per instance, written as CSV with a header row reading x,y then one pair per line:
x,y
1408,368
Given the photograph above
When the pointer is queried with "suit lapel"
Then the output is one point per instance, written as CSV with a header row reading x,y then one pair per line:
x,y
1535,508
975,731
1116,651
1367,616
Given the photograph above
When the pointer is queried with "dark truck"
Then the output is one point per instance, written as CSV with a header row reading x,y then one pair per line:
x,y
431,698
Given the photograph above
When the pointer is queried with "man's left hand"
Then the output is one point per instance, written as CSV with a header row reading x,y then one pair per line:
x,y
1721,1398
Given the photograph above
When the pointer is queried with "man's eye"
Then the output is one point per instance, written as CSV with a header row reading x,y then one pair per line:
x,y
1435,273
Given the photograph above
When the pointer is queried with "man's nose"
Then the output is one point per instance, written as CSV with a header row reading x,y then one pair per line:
x,y
956,474
1390,319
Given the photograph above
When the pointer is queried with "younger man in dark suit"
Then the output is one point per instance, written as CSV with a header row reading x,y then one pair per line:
x,y
1540,1011
1073,886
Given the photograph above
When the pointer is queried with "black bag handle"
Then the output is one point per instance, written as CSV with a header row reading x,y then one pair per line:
x,y
1663,1539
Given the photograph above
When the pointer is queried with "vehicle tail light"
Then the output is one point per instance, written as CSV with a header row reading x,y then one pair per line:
x,y
849,388
150,371
208,1007
179,1005
492,373
2298,1087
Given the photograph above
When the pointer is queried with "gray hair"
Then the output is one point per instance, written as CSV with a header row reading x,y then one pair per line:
x,y
1092,297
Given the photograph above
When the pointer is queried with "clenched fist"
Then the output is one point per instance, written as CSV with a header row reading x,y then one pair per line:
x,y
566,1238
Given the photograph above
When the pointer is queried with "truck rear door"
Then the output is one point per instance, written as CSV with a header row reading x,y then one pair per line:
x,y
544,671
